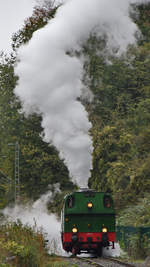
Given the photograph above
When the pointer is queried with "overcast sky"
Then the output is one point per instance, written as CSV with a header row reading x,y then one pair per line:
x,y
12,15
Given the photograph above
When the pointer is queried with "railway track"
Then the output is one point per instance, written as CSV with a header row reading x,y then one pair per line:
x,y
97,262
107,262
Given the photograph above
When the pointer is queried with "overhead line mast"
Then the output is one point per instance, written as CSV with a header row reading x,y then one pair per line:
x,y
17,174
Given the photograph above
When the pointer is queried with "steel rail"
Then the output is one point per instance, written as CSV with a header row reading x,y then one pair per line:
x,y
120,262
87,260
92,262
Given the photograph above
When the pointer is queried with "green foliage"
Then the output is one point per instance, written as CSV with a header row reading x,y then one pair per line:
x,y
56,205
22,245
143,22
39,18
137,214
40,165
60,264
136,242
121,121
146,244
120,115
134,249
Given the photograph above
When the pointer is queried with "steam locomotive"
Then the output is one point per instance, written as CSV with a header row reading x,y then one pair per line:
x,y
88,222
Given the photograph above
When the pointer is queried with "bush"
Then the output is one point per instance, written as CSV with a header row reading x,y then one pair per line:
x,y
21,245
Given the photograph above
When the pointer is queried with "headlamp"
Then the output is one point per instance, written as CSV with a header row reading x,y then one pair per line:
x,y
104,230
90,205
74,230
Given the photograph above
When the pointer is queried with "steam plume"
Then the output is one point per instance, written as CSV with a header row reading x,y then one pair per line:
x,y
37,213
50,75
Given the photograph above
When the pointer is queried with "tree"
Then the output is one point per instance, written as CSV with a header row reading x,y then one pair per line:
x,y
120,116
40,17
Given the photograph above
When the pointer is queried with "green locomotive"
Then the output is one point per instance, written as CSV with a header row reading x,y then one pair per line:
x,y
88,222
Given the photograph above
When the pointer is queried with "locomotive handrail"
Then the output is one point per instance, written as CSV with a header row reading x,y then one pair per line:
x,y
87,213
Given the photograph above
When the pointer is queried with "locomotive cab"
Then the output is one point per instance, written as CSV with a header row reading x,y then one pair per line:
x,y
88,222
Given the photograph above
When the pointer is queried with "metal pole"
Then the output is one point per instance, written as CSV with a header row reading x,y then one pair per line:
x,y
17,174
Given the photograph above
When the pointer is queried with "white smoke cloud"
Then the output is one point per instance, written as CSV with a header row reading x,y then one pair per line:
x,y
38,215
50,78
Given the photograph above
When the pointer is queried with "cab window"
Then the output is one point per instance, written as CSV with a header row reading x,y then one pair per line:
x,y
70,201
107,201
